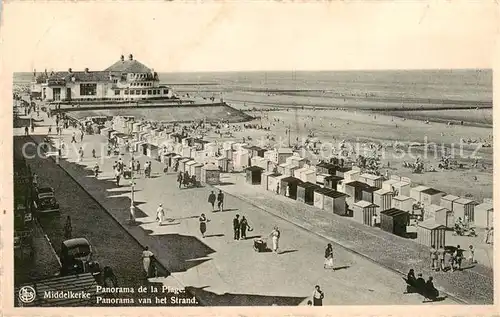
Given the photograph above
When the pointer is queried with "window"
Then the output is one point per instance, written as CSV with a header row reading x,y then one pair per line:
x,y
165,91
154,91
132,92
149,92
158,92
117,92
88,89
126,92
143,92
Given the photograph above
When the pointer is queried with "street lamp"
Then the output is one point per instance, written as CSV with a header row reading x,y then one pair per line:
x,y
132,185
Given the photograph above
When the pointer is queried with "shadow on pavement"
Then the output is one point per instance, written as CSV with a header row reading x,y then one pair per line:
x,y
184,251
229,299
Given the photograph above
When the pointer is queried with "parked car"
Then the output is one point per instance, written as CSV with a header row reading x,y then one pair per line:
x,y
76,257
45,200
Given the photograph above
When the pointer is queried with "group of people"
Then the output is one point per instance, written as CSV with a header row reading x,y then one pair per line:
x,y
219,198
419,285
438,258
186,179
240,227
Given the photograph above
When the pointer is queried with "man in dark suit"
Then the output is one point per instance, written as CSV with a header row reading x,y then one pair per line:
x,y
236,227
420,283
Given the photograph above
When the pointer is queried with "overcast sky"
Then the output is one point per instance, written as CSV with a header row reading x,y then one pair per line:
x,y
225,37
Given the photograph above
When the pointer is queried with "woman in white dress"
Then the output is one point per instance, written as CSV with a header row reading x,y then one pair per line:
x,y
275,237
146,260
160,214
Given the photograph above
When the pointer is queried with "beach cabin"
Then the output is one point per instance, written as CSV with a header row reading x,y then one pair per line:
x,y
240,159
463,207
152,151
363,212
320,178
254,175
196,170
107,132
264,182
416,193
288,187
402,188
228,145
257,151
394,221
389,184
305,192
483,215
210,174
223,164
319,197
182,164
447,201
309,175
326,168
431,196
440,215
372,180
367,193
430,233
190,167
340,171
274,181
296,160
351,175
334,201
403,203
289,170
282,168
383,199
355,191
297,173
331,181
255,161
175,160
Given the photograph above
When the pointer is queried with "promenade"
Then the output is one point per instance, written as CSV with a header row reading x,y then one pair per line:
x,y
228,272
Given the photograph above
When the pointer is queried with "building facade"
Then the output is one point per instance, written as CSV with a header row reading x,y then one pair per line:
x,y
122,81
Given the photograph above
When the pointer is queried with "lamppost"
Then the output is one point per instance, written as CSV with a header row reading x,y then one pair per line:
x,y
132,185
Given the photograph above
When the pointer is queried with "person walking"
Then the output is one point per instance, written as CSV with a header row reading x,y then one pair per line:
x,y
203,224
318,296
236,227
93,153
275,237
220,200
96,170
26,130
328,257
81,136
244,226
35,180
434,257
118,176
179,179
68,228
146,260
441,257
138,168
73,138
471,255
160,214
50,129
211,200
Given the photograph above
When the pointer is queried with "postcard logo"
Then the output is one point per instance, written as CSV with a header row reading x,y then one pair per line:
x,y
27,294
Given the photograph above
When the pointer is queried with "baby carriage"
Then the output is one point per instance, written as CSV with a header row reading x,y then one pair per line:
x,y
260,245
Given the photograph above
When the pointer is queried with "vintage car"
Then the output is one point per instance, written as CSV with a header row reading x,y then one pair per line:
x,y
76,257
45,200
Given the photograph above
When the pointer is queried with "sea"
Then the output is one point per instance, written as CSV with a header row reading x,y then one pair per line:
x,y
465,85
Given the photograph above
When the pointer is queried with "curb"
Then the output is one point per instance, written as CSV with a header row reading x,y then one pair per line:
x,y
204,303
295,223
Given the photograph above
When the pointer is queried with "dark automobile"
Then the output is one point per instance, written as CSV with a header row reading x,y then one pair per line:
x,y
76,257
45,200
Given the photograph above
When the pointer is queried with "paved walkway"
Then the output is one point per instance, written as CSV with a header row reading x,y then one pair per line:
x,y
228,272
473,285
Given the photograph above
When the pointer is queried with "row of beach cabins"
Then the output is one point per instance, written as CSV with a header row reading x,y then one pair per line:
x,y
342,190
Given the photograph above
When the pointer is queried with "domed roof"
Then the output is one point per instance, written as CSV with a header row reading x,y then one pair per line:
x,y
128,66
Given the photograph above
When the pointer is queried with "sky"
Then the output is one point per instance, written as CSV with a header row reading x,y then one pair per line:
x,y
248,36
